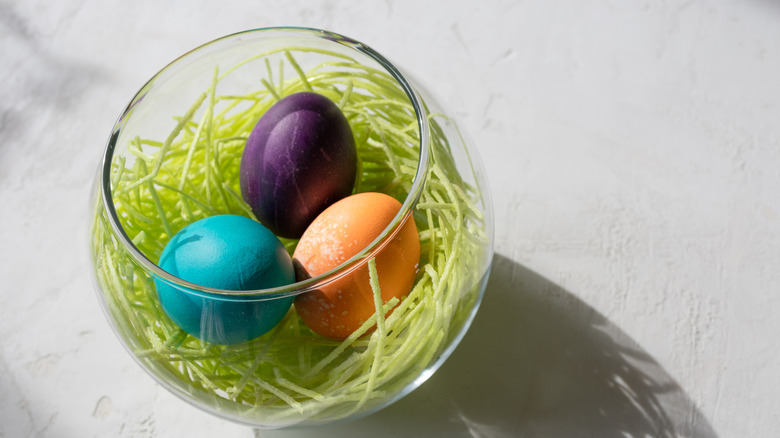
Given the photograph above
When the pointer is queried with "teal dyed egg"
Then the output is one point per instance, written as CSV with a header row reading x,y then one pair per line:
x,y
231,253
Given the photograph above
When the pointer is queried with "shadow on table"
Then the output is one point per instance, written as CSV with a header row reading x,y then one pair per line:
x,y
537,362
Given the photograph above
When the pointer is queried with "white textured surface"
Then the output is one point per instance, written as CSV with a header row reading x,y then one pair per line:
x,y
634,153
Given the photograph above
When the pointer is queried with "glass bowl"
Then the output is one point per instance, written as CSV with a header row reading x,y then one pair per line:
x,y
173,158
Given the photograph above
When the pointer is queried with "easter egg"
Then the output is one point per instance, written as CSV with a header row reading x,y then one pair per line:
x,y
224,252
337,309
299,159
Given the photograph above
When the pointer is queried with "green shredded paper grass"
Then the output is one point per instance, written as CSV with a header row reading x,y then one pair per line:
x,y
159,185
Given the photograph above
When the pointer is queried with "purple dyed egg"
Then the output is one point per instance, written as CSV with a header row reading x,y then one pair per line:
x,y
299,159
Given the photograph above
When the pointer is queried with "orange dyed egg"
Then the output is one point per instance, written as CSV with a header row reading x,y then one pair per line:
x,y
338,233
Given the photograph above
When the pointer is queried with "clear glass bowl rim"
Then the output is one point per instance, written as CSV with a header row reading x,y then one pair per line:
x,y
313,283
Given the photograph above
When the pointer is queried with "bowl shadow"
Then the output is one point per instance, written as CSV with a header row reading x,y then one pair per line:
x,y
537,361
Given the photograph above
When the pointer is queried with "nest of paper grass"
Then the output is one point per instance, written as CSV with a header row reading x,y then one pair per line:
x,y
160,186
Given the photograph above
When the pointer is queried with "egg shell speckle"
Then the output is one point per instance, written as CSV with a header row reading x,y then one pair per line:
x,y
340,232
224,252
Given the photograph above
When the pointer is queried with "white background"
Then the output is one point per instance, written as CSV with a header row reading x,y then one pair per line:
x,y
633,149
